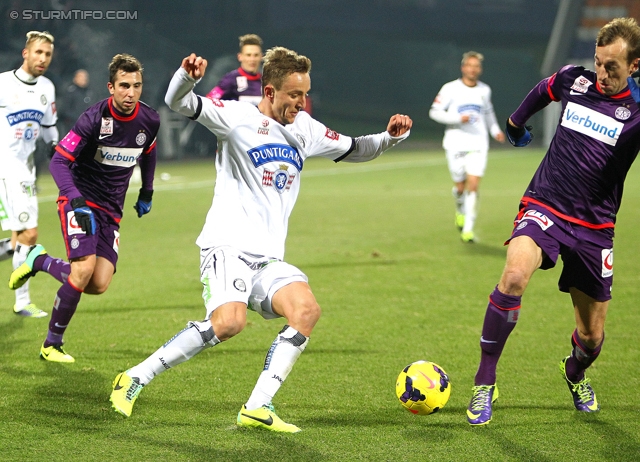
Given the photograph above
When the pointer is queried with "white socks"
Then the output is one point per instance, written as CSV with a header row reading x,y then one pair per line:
x,y
459,198
187,343
19,257
284,352
470,200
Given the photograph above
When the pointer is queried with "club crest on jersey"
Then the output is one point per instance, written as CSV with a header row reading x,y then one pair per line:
x,y
43,100
301,139
623,113
607,263
141,138
537,217
275,153
281,179
581,84
106,128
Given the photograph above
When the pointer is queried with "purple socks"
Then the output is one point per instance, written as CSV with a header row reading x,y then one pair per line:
x,y
581,357
500,319
64,307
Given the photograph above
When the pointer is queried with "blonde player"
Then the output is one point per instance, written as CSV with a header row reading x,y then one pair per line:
x,y
464,106
262,151
27,110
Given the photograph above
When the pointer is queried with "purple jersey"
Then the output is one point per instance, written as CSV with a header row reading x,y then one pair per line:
x,y
96,158
239,85
581,177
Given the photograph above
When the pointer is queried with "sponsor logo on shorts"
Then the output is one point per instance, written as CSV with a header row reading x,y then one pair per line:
x,y
23,217
116,240
240,285
537,217
607,263
591,123
72,225
74,243
521,225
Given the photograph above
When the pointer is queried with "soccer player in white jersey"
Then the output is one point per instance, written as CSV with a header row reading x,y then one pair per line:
x,y
464,106
260,158
27,110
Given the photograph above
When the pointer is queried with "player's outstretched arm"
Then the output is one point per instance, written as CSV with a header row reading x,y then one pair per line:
x,y
195,66
399,124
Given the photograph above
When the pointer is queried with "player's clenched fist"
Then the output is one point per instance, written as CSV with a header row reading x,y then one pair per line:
x,y
194,65
399,124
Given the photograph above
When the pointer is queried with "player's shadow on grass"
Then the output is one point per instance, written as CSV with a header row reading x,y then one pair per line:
x,y
8,344
490,250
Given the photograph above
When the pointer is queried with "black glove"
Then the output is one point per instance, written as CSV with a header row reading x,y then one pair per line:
x,y
519,136
84,215
143,204
52,149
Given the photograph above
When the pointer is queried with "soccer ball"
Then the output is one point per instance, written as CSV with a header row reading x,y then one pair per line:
x,y
423,387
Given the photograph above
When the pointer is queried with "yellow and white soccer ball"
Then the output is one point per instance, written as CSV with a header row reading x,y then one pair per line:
x,y
423,387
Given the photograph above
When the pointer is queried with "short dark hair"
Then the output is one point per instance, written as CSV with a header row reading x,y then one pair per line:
x,y
279,63
249,39
625,28
123,62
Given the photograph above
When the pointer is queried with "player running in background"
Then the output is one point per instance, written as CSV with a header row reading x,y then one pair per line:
x,y
464,106
569,209
243,84
259,164
92,167
27,110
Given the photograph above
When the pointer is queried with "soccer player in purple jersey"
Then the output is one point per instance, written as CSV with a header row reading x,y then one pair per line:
x,y
569,209
244,83
92,167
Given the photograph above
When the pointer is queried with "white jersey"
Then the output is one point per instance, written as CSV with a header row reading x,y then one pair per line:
x,y
258,164
26,105
456,99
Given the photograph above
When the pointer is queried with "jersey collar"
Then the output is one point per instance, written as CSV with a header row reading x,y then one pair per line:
x,y
249,76
25,77
623,94
119,115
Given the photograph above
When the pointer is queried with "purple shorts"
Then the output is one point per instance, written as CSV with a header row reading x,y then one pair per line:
x,y
587,254
104,243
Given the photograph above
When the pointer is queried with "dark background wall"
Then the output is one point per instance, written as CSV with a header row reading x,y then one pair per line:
x,y
371,58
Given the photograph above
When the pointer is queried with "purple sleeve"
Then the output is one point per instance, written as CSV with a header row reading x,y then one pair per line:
x,y
537,99
59,168
148,168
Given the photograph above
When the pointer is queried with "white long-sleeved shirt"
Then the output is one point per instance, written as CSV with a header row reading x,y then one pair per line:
x,y
456,99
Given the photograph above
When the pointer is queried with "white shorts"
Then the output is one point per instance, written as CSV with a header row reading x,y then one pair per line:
x,y
229,275
18,205
463,163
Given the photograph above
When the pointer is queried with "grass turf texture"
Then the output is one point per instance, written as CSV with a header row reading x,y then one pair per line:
x,y
396,285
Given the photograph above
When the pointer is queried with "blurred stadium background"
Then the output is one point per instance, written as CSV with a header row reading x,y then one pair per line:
x,y
371,58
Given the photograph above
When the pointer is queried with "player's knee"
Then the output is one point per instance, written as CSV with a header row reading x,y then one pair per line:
x,y
228,323
514,281
305,315
28,236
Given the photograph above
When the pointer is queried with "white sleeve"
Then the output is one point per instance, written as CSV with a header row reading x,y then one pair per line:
x,y
50,117
50,134
490,115
180,96
440,108
368,147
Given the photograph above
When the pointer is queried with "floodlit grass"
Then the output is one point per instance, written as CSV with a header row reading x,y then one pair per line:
x,y
396,285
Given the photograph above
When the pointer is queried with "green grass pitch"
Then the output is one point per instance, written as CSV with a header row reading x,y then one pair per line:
x,y
379,245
